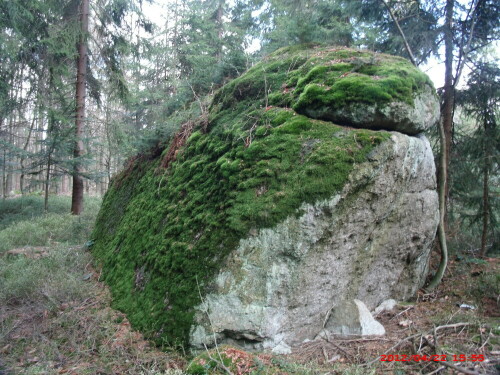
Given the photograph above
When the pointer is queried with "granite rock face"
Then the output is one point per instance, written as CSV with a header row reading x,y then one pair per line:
x,y
371,242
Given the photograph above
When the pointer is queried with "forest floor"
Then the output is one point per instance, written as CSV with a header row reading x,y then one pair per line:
x,y
56,317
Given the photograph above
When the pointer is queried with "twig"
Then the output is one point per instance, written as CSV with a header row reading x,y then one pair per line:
x,y
391,349
219,363
213,331
401,33
436,371
459,369
337,347
436,345
452,315
456,325
327,316
362,340
420,345
324,353
485,341
402,312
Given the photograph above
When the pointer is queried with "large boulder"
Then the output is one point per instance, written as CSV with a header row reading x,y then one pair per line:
x,y
265,223
370,241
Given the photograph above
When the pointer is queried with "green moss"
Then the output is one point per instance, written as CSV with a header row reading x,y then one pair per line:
x,y
162,235
300,77
179,225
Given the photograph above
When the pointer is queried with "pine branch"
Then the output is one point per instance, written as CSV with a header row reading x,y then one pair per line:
x,y
401,33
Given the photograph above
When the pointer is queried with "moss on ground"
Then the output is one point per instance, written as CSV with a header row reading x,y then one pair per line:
x,y
227,358
162,235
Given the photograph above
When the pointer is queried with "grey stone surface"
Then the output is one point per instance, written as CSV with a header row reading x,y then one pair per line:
x,y
350,318
396,116
387,305
370,242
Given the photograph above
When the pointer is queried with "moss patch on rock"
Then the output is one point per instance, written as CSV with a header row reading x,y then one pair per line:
x,y
311,79
163,234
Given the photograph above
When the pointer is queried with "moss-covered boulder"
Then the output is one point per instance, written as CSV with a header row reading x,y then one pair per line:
x,y
253,223
349,87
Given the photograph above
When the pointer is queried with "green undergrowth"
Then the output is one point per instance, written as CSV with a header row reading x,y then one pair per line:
x,y
162,235
311,79
24,222
226,359
30,207
47,280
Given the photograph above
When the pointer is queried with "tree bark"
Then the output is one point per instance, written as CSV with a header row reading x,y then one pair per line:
x,y
81,77
220,30
486,190
25,149
448,102
486,211
47,183
443,162
445,132
4,175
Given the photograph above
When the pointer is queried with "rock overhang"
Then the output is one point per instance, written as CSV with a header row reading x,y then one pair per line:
x,y
349,87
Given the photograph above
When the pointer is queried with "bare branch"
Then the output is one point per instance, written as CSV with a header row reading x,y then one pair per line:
x,y
401,33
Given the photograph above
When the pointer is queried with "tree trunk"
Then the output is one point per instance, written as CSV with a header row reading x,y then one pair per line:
x,y
443,162
25,149
81,77
448,102
486,191
47,184
486,212
220,30
445,132
4,175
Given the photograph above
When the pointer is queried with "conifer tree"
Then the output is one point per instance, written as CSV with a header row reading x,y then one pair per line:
x,y
478,152
81,78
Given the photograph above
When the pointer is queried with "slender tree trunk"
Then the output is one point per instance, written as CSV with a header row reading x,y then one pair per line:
x,y
443,162
446,132
486,190
47,183
4,176
448,100
25,149
486,211
77,196
220,30
10,165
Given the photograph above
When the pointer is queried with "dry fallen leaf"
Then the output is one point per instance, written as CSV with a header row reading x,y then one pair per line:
x,y
405,323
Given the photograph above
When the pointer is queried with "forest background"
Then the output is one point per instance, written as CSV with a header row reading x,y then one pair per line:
x,y
143,79
86,85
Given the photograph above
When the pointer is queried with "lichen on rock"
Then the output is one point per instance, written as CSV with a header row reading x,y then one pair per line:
x,y
268,201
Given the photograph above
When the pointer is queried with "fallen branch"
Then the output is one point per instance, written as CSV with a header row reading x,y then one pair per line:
x,y
217,362
402,312
390,350
456,325
459,369
348,355
436,371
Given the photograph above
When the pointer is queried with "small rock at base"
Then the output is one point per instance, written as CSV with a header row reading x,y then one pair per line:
x,y
369,326
282,348
387,305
